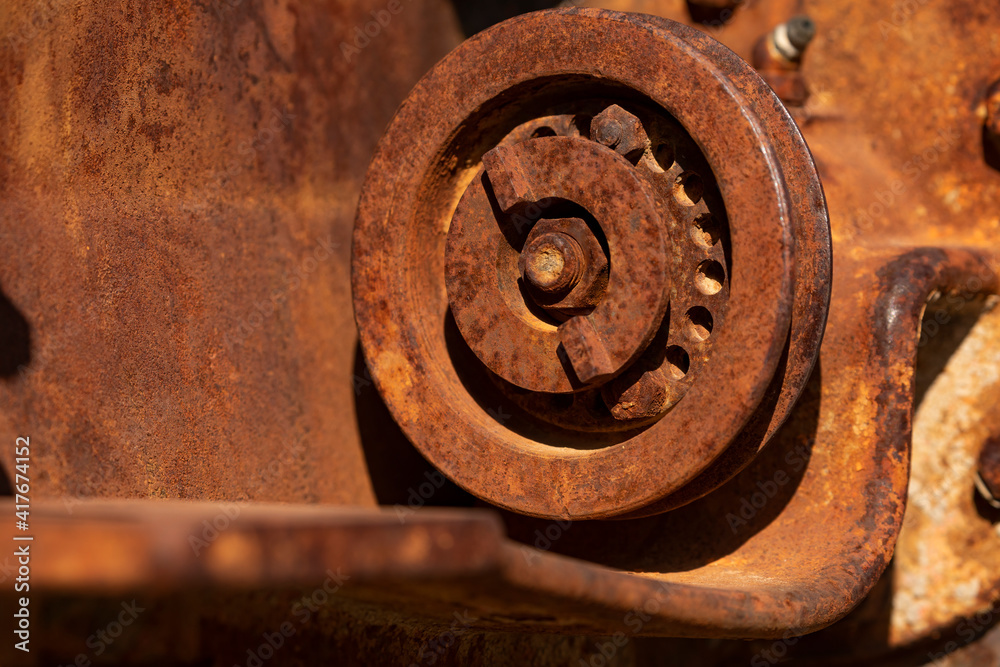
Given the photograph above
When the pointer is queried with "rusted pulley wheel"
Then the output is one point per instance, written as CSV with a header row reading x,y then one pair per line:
x,y
591,264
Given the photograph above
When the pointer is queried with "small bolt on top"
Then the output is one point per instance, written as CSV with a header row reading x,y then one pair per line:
x,y
778,58
790,39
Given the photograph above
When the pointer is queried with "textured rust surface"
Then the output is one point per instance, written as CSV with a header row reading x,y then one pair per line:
x,y
947,553
169,169
988,468
485,296
176,195
767,194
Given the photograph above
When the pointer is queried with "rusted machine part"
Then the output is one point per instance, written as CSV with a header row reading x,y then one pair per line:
x,y
988,471
762,518
917,174
853,430
744,268
938,595
662,374
487,300
697,574
778,58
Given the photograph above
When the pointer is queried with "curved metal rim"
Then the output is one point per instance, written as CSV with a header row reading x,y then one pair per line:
x,y
428,402
813,281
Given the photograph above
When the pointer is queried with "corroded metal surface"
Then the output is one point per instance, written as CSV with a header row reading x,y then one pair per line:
x,y
948,550
176,196
754,172
897,172
143,246
483,254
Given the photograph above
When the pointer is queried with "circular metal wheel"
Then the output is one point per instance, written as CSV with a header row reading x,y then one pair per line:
x,y
591,265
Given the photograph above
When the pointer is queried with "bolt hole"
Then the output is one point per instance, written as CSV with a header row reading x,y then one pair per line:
x,y
709,277
543,131
706,230
689,189
701,323
678,362
664,154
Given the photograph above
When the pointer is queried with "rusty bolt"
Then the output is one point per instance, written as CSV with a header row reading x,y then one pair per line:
x,y
585,350
552,262
777,56
583,258
791,38
988,481
621,131
993,113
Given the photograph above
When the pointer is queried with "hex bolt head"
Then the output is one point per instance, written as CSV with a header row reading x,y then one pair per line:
x,y
988,475
621,131
583,277
608,131
552,263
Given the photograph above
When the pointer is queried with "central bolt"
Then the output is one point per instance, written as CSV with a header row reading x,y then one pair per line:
x,y
608,131
552,263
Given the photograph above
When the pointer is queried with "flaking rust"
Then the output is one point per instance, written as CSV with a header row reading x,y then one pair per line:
x,y
593,278
697,280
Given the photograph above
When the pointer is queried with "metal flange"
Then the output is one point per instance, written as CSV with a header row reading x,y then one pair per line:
x,y
675,154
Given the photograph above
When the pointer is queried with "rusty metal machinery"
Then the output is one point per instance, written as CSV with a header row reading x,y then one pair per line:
x,y
632,248
676,332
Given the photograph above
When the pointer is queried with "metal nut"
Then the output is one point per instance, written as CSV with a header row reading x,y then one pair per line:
x,y
552,263
638,395
621,131
587,288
